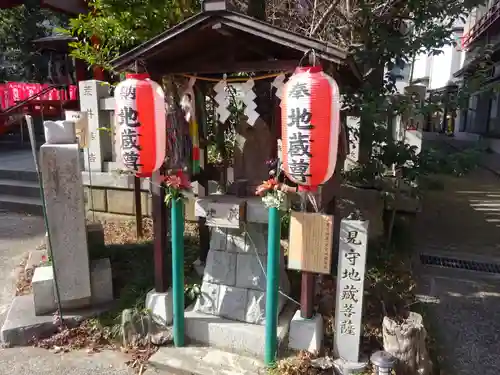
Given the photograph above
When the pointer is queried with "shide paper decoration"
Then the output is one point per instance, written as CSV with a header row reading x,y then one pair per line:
x,y
310,126
140,115
249,101
222,99
279,83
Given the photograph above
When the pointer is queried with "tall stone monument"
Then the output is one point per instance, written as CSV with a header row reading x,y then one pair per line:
x,y
63,191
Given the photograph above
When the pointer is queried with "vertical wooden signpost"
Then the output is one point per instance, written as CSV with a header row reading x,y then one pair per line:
x,y
350,283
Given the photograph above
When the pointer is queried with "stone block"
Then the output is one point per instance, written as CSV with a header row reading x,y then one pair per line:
x,y
344,367
196,360
34,260
95,235
101,281
237,337
256,306
220,268
221,210
218,237
161,306
208,300
256,211
43,290
98,202
123,202
306,334
237,241
232,302
250,273
21,324
59,132
257,238
63,189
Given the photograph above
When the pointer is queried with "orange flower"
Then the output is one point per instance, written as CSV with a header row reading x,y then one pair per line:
x,y
266,186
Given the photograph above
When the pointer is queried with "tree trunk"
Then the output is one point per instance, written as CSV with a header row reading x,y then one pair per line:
x,y
407,342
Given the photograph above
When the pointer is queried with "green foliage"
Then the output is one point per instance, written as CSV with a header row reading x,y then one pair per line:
x,y
222,137
119,25
19,26
413,167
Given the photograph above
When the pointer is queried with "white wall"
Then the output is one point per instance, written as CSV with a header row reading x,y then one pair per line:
x,y
421,66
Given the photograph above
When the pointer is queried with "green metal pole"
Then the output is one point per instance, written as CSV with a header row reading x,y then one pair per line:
x,y
273,275
177,220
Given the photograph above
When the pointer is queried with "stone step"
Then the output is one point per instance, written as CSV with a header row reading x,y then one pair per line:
x,y
202,360
28,205
11,174
19,188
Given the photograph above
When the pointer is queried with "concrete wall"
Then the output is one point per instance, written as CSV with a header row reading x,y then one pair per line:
x,y
114,193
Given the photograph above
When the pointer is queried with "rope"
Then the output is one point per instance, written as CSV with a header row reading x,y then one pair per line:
x,y
242,79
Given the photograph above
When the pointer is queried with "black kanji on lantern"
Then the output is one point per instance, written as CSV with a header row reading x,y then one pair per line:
x,y
131,160
299,90
128,116
301,118
130,138
127,92
299,144
298,169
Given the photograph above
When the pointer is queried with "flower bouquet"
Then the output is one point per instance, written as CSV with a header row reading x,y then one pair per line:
x,y
178,186
272,195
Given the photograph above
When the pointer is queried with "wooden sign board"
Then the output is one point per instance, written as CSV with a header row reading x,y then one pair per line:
x,y
81,126
189,213
311,238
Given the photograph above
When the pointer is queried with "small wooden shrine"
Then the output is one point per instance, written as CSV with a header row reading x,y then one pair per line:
x,y
210,51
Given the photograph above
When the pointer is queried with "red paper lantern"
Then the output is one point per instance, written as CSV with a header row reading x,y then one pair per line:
x,y
310,125
141,119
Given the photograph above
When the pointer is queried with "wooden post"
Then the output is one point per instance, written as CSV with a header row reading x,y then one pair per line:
x,y
160,232
138,206
307,280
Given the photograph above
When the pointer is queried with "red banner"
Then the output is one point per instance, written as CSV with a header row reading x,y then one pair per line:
x,y
14,92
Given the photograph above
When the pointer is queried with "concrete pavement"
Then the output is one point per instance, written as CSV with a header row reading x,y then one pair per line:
x,y
462,222
19,234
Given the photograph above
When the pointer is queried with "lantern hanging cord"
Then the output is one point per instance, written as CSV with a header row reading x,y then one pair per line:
x,y
309,53
231,80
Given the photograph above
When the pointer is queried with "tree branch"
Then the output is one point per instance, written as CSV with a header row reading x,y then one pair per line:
x,y
323,17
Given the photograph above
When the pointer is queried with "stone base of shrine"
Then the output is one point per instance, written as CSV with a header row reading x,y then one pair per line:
x,y
235,336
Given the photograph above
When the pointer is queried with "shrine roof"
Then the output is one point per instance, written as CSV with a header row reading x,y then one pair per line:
x,y
54,42
223,41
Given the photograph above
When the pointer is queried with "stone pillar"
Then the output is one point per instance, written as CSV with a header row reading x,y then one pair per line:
x,y
63,190
99,141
